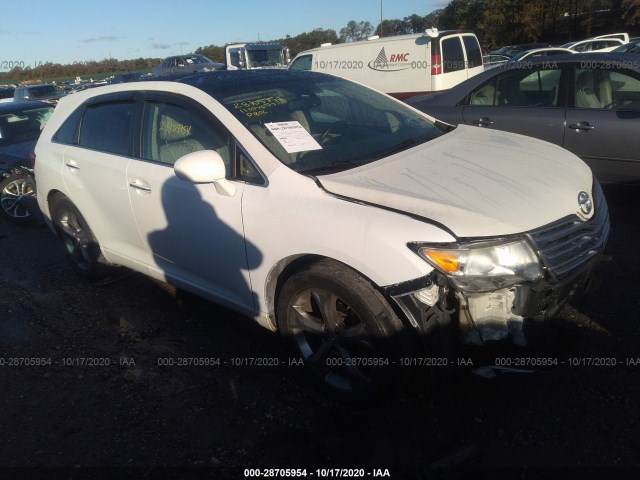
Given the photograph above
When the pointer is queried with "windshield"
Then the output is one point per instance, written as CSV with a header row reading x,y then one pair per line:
x,y
24,125
43,91
266,58
327,124
197,59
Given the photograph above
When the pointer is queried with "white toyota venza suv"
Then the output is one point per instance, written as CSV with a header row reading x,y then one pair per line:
x,y
337,215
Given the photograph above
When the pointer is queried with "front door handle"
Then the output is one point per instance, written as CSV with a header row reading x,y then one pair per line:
x,y
140,186
483,122
581,126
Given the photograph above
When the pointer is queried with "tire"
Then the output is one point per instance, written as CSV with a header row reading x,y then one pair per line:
x,y
341,327
79,243
12,189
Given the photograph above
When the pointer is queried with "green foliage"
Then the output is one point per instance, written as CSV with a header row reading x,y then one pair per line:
x,y
307,40
49,71
355,31
212,52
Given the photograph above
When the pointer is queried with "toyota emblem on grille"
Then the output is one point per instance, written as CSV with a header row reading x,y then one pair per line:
x,y
585,203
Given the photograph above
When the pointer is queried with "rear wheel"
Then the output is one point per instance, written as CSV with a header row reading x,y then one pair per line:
x,y
347,334
78,241
13,189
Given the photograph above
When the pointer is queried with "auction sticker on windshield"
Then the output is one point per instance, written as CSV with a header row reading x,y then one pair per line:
x,y
293,137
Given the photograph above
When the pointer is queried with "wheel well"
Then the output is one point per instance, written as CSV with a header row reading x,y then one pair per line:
x,y
52,198
286,267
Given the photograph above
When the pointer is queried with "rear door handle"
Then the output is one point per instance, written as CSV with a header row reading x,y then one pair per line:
x,y
581,126
72,165
483,122
140,186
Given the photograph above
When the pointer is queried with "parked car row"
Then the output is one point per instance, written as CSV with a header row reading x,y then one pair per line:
x,y
603,43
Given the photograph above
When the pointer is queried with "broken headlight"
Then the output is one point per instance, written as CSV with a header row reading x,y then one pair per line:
x,y
483,267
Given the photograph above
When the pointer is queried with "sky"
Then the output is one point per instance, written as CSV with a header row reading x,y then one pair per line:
x,y
37,31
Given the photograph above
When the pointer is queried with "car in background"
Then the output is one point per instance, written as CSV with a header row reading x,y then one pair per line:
x,y
6,94
186,64
632,47
594,45
21,123
512,50
389,225
127,77
620,36
44,93
493,60
540,52
588,103
403,65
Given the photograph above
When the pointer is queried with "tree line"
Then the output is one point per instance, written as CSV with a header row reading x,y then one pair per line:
x,y
496,22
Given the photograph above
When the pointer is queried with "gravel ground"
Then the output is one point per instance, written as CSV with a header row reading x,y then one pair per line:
x,y
129,416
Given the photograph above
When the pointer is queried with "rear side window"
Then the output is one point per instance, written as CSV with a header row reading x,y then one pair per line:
x,y
453,56
108,127
68,131
474,56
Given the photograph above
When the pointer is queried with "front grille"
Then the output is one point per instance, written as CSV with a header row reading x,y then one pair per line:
x,y
568,244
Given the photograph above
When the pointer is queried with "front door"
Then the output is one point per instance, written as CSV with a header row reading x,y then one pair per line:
x,y
194,235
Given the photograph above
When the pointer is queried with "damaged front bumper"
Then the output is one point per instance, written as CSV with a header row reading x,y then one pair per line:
x,y
569,251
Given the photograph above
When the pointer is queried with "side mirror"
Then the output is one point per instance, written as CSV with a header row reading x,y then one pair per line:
x,y
205,166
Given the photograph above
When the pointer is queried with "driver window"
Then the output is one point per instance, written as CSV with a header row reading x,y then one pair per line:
x,y
171,131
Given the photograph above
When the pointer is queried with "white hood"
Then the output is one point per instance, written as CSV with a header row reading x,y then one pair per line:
x,y
476,182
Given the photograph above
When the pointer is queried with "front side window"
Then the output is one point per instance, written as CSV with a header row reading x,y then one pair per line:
x,y
520,88
234,56
325,123
171,131
301,63
108,127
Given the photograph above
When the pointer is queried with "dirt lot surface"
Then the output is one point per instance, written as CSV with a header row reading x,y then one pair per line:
x,y
124,414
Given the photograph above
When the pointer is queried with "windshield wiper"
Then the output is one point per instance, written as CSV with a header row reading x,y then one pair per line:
x,y
336,166
409,142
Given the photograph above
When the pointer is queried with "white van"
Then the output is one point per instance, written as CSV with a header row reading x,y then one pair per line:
x,y
401,66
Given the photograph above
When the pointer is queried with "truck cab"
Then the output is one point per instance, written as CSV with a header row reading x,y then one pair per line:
x,y
258,55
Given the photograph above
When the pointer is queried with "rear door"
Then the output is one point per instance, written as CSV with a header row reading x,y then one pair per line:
x,y
528,101
94,173
453,62
603,120
473,55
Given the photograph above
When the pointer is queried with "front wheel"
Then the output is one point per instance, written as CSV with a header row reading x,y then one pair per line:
x,y
13,190
349,337
80,245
